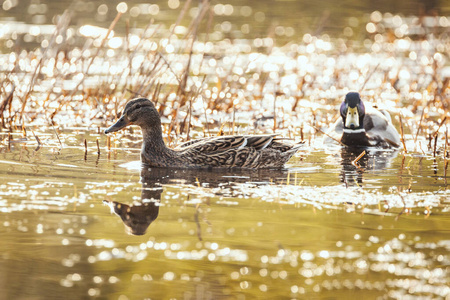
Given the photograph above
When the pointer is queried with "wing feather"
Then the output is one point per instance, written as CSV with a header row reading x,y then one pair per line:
x,y
238,151
259,141
214,144
223,143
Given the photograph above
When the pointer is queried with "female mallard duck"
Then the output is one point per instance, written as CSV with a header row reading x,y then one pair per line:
x,y
257,152
361,127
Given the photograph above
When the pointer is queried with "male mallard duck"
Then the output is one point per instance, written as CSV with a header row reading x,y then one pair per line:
x,y
361,127
257,152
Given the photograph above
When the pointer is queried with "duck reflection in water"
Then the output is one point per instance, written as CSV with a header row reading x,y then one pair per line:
x,y
138,217
352,172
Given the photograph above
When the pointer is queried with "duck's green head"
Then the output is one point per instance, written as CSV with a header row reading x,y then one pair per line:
x,y
141,112
352,111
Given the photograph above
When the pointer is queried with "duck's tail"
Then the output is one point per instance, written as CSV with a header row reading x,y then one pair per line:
x,y
290,152
295,148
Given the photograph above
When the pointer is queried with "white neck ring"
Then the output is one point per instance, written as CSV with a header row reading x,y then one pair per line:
x,y
346,130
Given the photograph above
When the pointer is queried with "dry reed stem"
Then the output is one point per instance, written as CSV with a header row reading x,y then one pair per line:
x,y
221,131
189,122
30,87
169,66
62,24
57,135
440,125
206,120
318,129
181,94
403,209
199,229
275,113
446,142
98,147
38,140
208,28
139,45
419,127
435,145
445,154
233,120
111,27
369,76
355,161
7,103
193,26
180,16
402,133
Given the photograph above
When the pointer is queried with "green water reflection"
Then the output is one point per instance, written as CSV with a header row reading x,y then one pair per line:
x,y
221,234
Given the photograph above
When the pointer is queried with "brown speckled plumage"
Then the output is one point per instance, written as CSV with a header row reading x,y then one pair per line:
x,y
255,152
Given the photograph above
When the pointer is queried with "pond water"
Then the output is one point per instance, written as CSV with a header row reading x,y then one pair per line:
x,y
80,217
321,228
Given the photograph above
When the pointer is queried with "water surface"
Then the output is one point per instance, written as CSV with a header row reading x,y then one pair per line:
x,y
83,223
321,228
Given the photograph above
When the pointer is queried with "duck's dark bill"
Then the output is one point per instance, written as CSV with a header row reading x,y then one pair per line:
x,y
121,123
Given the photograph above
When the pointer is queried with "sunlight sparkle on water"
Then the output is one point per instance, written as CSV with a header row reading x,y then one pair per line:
x,y
94,31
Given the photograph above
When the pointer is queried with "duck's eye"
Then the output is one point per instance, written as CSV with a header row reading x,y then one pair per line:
x,y
138,106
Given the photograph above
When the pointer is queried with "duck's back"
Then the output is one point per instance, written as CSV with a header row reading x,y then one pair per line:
x,y
378,126
260,151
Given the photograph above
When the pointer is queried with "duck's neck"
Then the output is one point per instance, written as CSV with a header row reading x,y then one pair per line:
x,y
153,140
154,152
355,137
